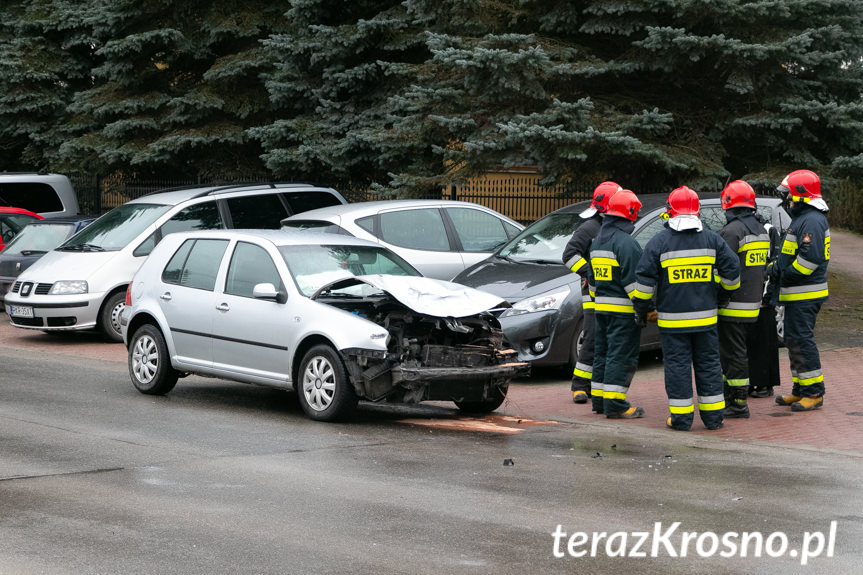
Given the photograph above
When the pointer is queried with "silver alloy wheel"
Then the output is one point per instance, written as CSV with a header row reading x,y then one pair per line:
x,y
145,358
319,383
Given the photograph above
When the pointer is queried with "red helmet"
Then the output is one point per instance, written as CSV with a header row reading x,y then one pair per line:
x,y
738,194
602,194
682,201
624,204
802,185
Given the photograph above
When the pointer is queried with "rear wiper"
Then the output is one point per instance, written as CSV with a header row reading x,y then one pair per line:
x,y
81,248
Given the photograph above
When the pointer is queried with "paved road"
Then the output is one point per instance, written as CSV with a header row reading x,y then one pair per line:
x,y
220,477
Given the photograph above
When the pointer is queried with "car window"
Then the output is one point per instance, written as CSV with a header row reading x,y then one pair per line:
x,y
305,201
195,264
421,229
478,231
543,240
203,216
261,212
34,196
367,223
313,266
646,232
713,217
250,265
117,228
11,224
38,238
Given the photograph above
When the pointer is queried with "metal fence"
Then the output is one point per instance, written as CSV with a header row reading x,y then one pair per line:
x,y
518,195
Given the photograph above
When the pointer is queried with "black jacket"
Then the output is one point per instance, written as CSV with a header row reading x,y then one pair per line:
x,y
746,237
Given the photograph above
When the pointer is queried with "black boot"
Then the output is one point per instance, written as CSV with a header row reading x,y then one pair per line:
x,y
736,405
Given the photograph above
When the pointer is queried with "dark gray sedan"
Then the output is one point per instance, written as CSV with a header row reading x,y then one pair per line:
x,y
545,320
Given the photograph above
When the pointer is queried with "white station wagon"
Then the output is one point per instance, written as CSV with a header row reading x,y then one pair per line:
x,y
337,318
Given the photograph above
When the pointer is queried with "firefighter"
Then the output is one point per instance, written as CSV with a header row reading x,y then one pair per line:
x,y
614,255
677,269
802,281
738,310
577,259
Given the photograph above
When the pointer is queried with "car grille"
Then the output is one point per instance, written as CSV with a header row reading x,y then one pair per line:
x,y
41,289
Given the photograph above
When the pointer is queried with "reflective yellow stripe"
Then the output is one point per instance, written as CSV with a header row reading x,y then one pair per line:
x,y
711,406
578,265
671,262
676,410
803,296
737,382
614,395
754,246
582,374
789,247
731,287
673,323
587,305
604,262
810,381
597,393
805,271
614,308
738,312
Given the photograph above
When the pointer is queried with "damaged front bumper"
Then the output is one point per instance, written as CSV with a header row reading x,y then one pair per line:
x,y
471,374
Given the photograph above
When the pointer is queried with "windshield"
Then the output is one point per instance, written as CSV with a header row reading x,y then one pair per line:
x,y
315,266
38,239
116,229
543,240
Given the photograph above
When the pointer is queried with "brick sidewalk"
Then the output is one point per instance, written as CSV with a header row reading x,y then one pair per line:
x,y
837,426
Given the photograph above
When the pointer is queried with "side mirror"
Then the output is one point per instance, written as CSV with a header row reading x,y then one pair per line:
x,y
268,291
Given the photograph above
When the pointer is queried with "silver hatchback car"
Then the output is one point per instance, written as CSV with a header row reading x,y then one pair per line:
x,y
440,238
337,318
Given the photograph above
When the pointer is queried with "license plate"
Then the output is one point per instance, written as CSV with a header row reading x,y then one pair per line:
x,y
20,311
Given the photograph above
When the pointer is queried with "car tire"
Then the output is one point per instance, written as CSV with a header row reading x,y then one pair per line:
x,y
109,316
577,342
149,362
325,392
483,406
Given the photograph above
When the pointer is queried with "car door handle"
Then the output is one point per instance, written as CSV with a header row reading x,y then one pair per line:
x,y
166,296
223,307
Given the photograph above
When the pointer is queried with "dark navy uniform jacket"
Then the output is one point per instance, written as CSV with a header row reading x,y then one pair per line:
x,y
614,256
804,256
677,267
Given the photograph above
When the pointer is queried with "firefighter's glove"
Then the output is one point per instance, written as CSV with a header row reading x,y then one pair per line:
x,y
723,299
641,320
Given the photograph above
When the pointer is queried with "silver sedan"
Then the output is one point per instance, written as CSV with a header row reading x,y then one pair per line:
x,y
438,237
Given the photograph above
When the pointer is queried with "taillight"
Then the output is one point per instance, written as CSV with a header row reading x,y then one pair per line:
x,y
129,294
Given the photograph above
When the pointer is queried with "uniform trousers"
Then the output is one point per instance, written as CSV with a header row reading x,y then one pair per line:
x,y
681,353
615,361
583,372
803,354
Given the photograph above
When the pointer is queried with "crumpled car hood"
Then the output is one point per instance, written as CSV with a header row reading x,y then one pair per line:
x,y
436,298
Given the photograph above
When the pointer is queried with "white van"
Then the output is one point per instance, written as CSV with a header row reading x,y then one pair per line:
x,y
49,195
81,284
